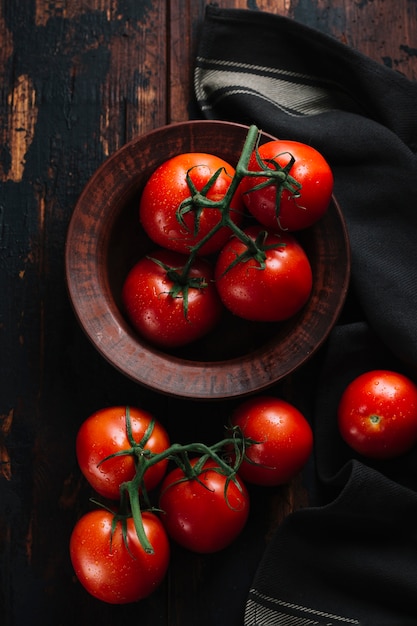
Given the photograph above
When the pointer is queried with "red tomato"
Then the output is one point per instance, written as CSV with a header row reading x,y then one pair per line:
x,y
157,315
103,433
284,440
377,414
196,513
272,294
107,568
167,188
296,212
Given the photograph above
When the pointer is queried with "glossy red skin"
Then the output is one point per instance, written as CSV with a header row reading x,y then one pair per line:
x,y
310,169
103,433
272,294
377,414
285,440
115,574
157,316
197,516
167,188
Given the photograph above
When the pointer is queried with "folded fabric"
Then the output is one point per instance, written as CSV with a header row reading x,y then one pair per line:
x,y
344,563
350,557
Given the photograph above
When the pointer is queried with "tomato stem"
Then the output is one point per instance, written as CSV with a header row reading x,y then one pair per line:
x,y
131,491
274,174
374,418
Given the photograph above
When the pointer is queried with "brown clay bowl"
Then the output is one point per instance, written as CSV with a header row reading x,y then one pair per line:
x,y
105,239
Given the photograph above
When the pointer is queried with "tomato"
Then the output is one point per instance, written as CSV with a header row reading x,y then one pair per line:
x,y
104,433
377,414
196,513
298,208
107,568
167,188
272,294
283,436
156,314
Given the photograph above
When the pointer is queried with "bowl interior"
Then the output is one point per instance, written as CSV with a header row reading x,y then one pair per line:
x,y
238,358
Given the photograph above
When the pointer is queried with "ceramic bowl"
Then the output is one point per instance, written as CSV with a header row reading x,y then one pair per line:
x,y
237,359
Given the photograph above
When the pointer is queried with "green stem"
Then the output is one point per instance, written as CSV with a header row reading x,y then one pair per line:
x,y
132,490
198,199
178,453
223,205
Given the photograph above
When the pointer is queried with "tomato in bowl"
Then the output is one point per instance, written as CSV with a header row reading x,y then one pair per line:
x,y
236,358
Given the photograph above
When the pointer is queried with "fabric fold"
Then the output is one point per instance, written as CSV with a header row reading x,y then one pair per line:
x,y
343,563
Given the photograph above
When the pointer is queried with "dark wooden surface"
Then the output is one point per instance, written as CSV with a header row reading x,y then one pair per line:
x,y
77,80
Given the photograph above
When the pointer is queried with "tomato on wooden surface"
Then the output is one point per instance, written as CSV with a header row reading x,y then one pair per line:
x,y
109,569
104,433
300,207
167,188
283,436
201,514
269,294
159,316
377,414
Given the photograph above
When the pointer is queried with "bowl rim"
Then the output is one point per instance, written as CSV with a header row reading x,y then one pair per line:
x,y
182,378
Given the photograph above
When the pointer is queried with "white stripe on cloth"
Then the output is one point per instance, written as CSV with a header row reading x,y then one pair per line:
x,y
296,94
262,610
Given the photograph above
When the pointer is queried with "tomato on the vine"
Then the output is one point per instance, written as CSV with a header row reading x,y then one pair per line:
x,y
203,514
270,294
283,436
377,414
165,318
167,188
300,205
112,569
104,433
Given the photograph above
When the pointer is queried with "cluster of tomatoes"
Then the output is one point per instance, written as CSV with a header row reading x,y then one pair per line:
x,y
160,492
224,239
156,492
210,258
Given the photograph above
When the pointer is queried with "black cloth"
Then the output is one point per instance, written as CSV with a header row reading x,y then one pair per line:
x,y
351,556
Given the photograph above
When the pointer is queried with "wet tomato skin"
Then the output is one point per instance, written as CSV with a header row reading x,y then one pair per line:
x,y
271,294
377,414
103,434
283,436
112,571
159,317
167,188
203,514
310,170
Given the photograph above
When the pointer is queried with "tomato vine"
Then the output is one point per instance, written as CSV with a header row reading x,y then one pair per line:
x,y
133,490
271,170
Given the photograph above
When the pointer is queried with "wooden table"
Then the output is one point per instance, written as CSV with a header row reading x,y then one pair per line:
x,y
78,80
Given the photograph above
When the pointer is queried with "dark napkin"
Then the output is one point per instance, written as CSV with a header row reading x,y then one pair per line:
x,y
351,556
